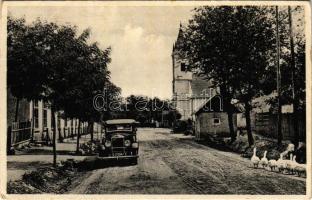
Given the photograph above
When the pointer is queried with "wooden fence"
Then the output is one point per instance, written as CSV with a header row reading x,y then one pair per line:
x,y
266,124
21,132
18,132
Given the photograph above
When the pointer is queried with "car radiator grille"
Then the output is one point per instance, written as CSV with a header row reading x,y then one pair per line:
x,y
117,142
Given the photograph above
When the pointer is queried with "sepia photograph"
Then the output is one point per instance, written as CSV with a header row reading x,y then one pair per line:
x,y
156,98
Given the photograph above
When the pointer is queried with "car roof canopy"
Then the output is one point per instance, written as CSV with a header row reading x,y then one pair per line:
x,y
121,121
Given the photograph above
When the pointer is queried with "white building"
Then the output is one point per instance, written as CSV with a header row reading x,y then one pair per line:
x,y
41,117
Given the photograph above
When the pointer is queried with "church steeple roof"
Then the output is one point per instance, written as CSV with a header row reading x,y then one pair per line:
x,y
178,44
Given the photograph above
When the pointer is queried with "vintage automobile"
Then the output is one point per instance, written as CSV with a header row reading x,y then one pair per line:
x,y
120,140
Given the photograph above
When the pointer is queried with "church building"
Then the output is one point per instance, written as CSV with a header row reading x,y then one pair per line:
x,y
190,91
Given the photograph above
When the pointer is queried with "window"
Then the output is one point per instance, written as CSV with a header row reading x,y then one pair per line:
x,y
119,127
36,118
36,103
65,122
46,106
58,121
45,118
36,114
216,121
183,67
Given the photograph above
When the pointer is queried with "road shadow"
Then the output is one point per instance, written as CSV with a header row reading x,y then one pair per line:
x,y
42,151
26,166
207,143
92,163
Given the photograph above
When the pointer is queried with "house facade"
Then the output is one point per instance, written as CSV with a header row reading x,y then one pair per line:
x,y
212,121
38,114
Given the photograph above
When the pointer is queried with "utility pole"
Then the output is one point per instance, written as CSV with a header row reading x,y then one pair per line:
x,y
278,78
293,69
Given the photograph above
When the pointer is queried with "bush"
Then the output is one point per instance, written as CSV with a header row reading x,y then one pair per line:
x,y
20,187
88,148
35,178
179,126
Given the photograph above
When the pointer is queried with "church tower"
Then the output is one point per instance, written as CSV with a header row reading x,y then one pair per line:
x,y
182,79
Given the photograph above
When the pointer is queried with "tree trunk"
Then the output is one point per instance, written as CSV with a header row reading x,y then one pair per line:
x,y
90,129
293,72
295,120
279,123
33,121
16,110
279,112
78,137
9,140
228,109
60,134
231,126
248,123
59,130
54,135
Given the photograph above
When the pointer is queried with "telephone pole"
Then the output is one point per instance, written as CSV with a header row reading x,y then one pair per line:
x,y
278,78
293,69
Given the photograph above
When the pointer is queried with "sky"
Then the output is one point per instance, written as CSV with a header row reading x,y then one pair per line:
x,y
141,39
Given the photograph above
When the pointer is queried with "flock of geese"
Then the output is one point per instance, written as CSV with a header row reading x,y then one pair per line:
x,y
283,166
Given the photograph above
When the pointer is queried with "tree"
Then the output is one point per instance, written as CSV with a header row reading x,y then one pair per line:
x,y
292,62
210,46
51,62
30,61
230,46
294,88
26,75
29,67
98,76
112,97
172,116
257,44
83,79
142,108
137,107
61,60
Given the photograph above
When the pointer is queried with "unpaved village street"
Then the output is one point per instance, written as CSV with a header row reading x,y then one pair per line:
x,y
176,164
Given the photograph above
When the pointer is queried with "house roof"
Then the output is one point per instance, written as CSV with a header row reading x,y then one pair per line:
x,y
201,106
260,105
200,85
178,44
210,101
179,40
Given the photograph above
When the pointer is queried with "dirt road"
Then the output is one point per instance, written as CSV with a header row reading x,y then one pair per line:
x,y
175,164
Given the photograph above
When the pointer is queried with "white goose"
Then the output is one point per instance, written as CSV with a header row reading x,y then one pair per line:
x,y
255,159
289,163
272,164
292,165
299,168
281,164
264,161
